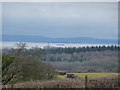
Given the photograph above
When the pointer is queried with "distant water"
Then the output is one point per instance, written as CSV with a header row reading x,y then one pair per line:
x,y
43,45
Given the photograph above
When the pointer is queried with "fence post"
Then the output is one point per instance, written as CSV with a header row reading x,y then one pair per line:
x,y
86,81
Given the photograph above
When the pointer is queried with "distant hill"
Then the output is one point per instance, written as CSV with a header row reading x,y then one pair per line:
x,y
86,40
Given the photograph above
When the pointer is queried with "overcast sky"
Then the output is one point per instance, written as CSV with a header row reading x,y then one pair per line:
x,y
99,20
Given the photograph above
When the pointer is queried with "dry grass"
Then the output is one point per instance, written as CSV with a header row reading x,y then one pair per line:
x,y
66,83
102,82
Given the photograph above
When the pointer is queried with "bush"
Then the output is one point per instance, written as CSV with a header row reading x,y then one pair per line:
x,y
25,65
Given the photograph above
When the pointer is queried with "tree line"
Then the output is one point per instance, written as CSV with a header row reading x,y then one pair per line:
x,y
70,50
72,54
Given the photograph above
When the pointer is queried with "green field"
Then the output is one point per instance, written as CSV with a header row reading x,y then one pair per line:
x,y
90,75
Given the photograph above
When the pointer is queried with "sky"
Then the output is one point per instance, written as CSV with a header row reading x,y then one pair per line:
x,y
60,19
0,22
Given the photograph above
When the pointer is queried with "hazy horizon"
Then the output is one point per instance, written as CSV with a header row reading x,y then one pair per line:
x,y
58,37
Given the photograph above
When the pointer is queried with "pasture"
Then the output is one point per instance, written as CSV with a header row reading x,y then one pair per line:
x,y
89,75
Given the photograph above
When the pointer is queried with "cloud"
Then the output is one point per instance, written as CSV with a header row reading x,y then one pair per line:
x,y
79,19
0,19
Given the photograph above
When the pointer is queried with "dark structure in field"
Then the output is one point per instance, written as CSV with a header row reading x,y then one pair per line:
x,y
91,70
62,73
71,76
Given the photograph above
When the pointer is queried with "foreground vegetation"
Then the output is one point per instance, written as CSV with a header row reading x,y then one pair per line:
x,y
110,81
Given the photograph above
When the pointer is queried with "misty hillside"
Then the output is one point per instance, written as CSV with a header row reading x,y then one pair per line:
x,y
87,40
